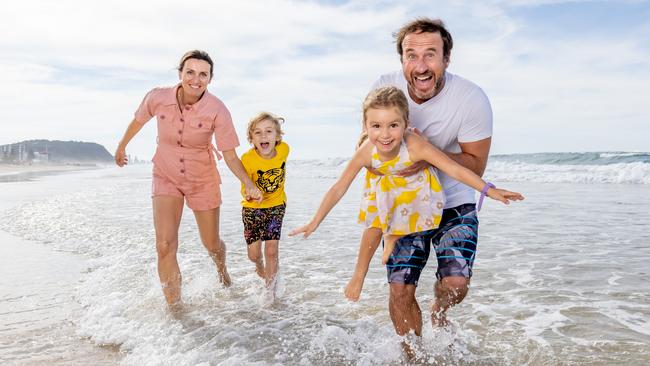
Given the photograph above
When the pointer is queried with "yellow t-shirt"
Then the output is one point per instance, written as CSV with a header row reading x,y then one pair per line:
x,y
268,175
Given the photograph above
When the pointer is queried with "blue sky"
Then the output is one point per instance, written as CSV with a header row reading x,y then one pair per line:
x,y
561,75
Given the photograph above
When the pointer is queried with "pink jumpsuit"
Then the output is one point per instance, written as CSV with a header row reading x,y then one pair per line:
x,y
184,164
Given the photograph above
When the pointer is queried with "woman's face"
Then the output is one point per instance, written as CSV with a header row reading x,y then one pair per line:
x,y
195,77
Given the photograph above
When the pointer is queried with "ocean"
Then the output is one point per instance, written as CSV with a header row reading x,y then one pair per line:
x,y
562,278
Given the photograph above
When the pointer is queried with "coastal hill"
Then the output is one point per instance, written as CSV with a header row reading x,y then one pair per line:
x,y
57,152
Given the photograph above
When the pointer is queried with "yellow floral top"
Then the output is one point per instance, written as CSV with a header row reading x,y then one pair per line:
x,y
401,205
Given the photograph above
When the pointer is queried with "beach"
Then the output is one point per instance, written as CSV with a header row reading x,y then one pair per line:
x,y
560,279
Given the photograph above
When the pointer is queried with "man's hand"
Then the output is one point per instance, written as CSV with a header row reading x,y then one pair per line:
x,y
414,168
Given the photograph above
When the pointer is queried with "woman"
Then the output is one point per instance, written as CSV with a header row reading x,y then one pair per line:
x,y
184,166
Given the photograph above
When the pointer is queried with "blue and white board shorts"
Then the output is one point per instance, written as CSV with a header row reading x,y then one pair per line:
x,y
454,242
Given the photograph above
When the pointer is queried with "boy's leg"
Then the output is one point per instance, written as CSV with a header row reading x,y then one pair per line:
x,y
271,258
272,230
370,240
255,255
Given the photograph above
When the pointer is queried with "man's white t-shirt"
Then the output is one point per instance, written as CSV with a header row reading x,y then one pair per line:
x,y
461,112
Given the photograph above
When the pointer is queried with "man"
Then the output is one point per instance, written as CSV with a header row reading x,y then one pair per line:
x,y
454,115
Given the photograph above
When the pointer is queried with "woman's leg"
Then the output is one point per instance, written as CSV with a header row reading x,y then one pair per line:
x,y
208,223
167,212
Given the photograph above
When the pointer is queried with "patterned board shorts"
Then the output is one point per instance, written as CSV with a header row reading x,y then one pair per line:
x,y
262,223
454,242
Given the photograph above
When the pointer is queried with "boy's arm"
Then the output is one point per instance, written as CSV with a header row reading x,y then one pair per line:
x,y
335,193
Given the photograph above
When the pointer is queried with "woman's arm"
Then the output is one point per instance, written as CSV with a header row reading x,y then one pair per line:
x,y
237,168
120,153
360,159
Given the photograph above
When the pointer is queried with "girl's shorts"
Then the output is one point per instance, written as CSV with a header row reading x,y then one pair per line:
x,y
262,223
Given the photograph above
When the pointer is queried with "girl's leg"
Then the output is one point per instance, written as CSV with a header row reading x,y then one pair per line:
x,y
389,245
271,259
167,212
208,223
370,240
255,255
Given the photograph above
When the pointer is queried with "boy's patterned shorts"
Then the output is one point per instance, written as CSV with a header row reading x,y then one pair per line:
x,y
262,223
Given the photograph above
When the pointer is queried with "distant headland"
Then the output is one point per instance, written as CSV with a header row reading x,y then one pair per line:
x,y
54,152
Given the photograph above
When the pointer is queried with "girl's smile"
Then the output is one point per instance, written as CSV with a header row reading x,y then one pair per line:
x,y
385,127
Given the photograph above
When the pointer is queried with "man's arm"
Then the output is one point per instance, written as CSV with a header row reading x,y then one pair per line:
x,y
473,155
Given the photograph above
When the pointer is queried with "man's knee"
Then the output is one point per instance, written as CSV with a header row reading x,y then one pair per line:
x,y
454,286
401,294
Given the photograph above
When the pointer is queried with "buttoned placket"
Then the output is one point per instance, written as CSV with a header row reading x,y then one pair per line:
x,y
184,113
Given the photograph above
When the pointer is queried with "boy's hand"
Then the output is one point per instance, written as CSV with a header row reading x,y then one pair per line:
x,y
253,194
305,230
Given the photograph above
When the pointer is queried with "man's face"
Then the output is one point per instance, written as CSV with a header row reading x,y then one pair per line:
x,y
423,65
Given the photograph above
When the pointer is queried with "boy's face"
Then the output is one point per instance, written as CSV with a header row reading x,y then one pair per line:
x,y
264,137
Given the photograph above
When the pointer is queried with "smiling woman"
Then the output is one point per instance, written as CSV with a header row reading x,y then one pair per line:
x,y
184,165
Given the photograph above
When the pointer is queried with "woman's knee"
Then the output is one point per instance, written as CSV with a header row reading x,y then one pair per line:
x,y
166,247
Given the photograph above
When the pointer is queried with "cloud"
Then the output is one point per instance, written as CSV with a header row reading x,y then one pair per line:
x,y
78,70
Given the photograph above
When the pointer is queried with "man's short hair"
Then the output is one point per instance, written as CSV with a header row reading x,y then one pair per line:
x,y
425,25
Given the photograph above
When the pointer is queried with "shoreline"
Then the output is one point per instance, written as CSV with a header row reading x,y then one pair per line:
x,y
27,172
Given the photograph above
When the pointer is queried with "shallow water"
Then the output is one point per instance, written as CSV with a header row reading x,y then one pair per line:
x,y
561,278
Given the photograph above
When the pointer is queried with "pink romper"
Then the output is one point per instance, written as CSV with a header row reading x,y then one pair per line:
x,y
184,164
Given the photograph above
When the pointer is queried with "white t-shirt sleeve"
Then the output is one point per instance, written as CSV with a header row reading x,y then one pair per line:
x,y
477,124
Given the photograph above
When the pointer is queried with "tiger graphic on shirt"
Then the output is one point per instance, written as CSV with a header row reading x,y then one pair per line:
x,y
269,181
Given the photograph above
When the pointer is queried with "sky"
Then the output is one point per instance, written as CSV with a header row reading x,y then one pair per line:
x,y
562,76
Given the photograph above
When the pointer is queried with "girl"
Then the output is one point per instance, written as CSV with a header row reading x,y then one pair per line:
x,y
184,169
393,204
265,165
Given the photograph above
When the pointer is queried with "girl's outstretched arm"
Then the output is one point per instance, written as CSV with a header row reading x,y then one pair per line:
x,y
420,149
360,159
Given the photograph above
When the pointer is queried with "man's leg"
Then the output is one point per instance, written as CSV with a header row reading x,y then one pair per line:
x,y
404,309
449,292
455,246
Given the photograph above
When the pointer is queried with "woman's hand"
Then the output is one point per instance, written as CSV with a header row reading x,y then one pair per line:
x,y
120,156
252,193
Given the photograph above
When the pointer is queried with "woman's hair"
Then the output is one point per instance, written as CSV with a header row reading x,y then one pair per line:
x,y
277,121
196,54
384,97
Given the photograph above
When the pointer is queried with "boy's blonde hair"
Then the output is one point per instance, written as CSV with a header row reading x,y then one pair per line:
x,y
277,121
384,97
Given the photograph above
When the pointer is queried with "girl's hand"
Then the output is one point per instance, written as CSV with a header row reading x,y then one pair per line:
x,y
305,230
252,193
504,195
120,157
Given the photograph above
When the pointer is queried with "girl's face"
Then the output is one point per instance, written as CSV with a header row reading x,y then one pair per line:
x,y
264,136
385,127
195,77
